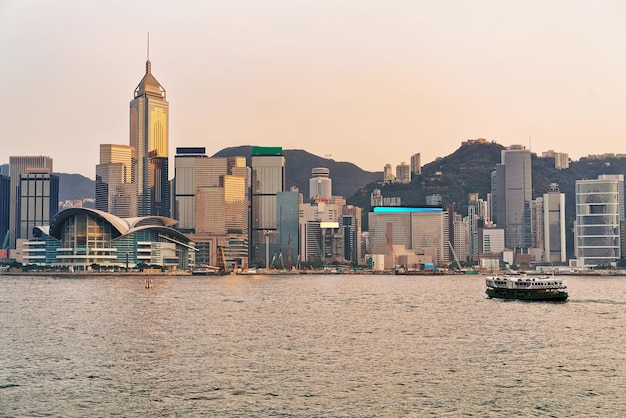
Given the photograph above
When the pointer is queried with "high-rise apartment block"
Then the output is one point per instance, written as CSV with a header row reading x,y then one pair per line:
x,y
403,173
561,159
416,163
149,136
388,176
116,189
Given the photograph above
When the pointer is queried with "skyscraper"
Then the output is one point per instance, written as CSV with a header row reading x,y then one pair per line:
x,y
187,166
512,193
149,135
5,205
39,200
116,191
211,204
554,225
416,163
17,167
268,179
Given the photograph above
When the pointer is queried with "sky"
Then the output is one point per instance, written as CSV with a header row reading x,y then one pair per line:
x,y
364,81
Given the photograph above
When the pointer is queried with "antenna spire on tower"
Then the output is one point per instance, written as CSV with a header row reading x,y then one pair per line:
x,y
148,64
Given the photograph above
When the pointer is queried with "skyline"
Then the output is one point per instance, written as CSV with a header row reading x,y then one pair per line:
x,y
344,79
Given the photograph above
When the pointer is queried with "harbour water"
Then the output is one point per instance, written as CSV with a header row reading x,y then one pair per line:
x,y
308,346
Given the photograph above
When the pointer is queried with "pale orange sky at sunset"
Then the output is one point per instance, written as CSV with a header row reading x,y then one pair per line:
x,y
369,82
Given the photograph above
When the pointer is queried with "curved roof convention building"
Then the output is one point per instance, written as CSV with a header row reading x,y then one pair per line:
x,y
81,237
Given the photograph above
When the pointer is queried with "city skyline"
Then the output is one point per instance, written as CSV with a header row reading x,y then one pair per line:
x,y
342,79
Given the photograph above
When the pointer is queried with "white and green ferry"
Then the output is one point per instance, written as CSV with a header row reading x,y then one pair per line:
x,y
523,287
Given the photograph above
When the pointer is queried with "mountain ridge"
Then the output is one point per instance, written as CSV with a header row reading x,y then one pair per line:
x,y
466,170
347,177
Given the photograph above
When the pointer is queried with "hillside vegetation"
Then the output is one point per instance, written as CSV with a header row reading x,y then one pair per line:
x,y
454,177
347,177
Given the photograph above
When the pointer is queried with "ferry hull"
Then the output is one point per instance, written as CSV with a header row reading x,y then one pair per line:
x,y
524,294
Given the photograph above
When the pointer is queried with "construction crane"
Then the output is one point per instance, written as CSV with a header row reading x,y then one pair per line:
x,y
454,255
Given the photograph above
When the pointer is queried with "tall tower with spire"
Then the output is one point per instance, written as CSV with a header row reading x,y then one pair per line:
x,y
149,135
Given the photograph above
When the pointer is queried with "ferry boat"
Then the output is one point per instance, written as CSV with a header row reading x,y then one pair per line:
x,y
523,287
209,271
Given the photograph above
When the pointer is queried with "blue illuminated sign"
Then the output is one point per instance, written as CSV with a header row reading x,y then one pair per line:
x,y
400,209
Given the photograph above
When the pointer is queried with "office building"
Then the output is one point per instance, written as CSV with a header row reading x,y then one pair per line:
x,y
211,204
38,200
189,173
418,230
473,216
268,179
327,226
320,183
116,189
288,227
511,196
149,136
350,221
620,191
461,234
18,166
597,226
491,241
554,225
537,224
5,206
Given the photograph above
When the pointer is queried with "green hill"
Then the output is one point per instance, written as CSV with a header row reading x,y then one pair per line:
x,y
347,177
467,170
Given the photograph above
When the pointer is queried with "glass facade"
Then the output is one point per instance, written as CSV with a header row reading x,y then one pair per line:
x,y
288,226
413,228
5,199
115,181
212,203
268,179
149,136
597,230
38,202
17,167
517,197
81,237
554,227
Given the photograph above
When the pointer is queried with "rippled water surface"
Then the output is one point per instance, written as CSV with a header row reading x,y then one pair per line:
x,y
308,346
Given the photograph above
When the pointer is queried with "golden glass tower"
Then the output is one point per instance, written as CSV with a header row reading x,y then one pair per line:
x,y
149,135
